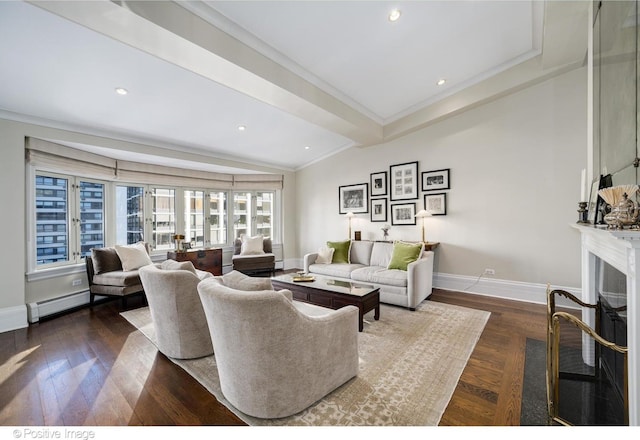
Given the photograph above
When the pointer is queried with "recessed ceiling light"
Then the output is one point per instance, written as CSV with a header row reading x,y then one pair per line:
x,y
307,147
121,91
241,128
441,81
394,15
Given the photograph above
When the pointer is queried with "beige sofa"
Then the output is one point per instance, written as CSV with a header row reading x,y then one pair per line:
x,y
276,356
368,265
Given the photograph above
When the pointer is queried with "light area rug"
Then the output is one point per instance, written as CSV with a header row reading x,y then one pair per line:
x,y
410,364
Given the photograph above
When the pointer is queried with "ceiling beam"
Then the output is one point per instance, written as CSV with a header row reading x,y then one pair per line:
x,y
174,34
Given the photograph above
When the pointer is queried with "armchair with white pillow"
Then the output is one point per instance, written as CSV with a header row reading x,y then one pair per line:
x,y
254,256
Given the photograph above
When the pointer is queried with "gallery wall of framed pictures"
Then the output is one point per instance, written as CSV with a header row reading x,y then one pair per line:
x,y
396,193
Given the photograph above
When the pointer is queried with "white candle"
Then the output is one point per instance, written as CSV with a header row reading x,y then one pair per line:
x,y
583,186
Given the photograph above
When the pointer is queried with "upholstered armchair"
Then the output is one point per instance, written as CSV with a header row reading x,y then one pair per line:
x,y
254,256
109,275
274,358
176,310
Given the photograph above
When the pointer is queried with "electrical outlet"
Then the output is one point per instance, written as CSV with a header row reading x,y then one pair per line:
x,y
76,282
489,272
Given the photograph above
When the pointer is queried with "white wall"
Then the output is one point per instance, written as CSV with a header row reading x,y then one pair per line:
x,y
13,313
515,183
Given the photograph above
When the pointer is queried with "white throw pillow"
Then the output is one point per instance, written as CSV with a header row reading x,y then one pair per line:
x,y
133,256
252,245
325,254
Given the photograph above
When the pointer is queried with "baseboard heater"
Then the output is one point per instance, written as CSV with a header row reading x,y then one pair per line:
x,y
37,310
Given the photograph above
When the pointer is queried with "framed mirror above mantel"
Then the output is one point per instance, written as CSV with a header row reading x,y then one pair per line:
x,y
615,91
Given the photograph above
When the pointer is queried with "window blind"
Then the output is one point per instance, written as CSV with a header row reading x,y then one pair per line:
x,y
53,157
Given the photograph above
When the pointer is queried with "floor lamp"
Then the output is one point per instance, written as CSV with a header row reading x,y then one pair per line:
x,y
421,215
350,215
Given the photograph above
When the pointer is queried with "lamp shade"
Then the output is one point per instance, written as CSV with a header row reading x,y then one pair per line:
x,y
350,214
422,213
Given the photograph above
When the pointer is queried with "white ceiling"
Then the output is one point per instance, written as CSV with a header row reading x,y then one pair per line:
x,y
306,78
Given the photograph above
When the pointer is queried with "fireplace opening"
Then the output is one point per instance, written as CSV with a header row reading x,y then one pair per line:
x,y
613,323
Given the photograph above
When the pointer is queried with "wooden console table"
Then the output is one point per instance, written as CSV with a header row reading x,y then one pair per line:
x,y
209,260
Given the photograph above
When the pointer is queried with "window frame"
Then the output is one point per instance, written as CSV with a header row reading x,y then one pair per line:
x,y
109,217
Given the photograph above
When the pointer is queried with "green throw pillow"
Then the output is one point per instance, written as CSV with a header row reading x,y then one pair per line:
x,y
341,251
403,254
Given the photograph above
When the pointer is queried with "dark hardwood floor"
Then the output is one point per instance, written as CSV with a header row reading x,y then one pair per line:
x,y
91,367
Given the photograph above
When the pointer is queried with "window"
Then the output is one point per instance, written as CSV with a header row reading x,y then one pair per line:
x,y
217,218
163,218
52,226
253,213
91,216
264,213
69,218
71,215
129,214
194,217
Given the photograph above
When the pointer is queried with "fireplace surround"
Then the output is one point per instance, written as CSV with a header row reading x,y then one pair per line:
x,y
621,250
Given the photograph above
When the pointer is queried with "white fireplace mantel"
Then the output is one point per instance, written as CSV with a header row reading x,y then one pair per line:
x,y
620,249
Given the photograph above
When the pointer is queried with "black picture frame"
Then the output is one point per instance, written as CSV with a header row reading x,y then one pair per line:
x,y
403,181
597,216
436,180
353,198
592,205
379,210
436,204
403,214
379,184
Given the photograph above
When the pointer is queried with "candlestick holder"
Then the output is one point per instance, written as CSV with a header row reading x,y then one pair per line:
x,y
582,213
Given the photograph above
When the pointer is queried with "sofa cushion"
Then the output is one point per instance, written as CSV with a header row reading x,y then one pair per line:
x,y
133,256
325,255
118,278
404,254
360,252
178,265
380,275
381,254
252,245
105,260
335,269
341,253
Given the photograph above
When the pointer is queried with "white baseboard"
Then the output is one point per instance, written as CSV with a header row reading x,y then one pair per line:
x,y
513,290
44,308
13,318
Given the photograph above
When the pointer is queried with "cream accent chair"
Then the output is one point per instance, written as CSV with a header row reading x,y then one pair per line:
x,y
276,356
176,310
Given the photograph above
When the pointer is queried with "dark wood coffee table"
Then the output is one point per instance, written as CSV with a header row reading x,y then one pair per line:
x,y
334,294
